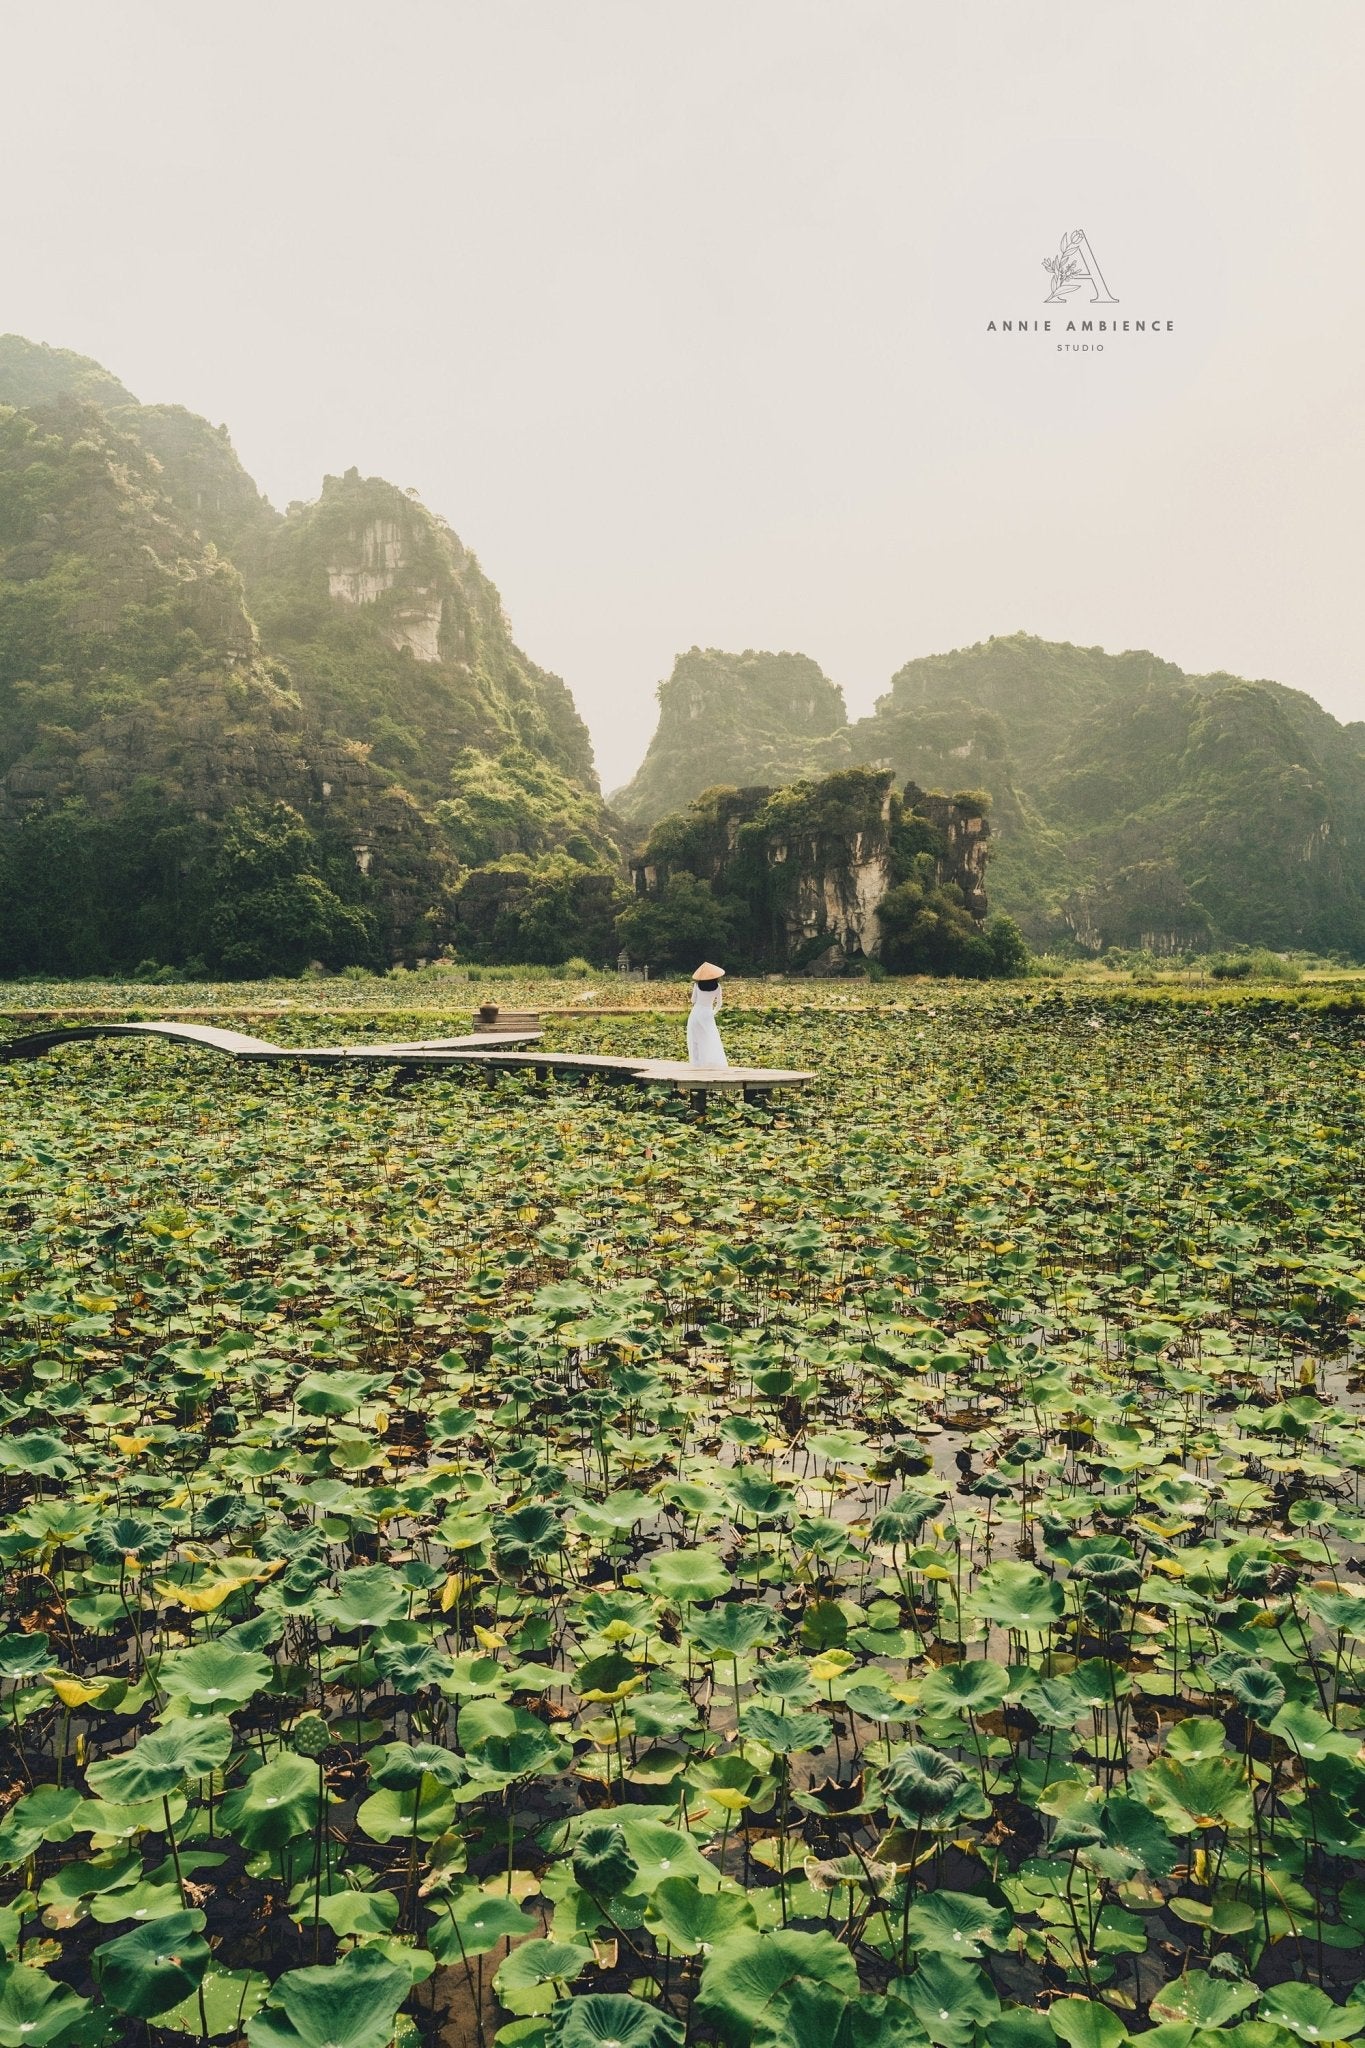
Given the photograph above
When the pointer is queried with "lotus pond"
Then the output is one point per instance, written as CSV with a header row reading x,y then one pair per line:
x,y
491,1565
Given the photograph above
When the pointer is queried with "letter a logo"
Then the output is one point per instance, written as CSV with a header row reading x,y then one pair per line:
x,y
1074,267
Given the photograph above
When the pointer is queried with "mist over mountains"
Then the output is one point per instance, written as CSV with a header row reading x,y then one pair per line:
x,y
1132,804
239,740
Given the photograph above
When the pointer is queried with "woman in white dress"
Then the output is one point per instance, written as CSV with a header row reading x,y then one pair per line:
x,y
704,1048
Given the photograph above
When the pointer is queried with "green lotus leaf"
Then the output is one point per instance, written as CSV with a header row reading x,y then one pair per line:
x,y
530,1753
1311,1734
1210,1793
817,2016
399,1766
950,1999
1020,2027
921,1783
1018,1597
135,1902
230,1998
608,1677
683,1577
525,1539
426,1810
409,1667
353,1914
527,1981
276,1803
618,1513
602,1862
746,1973
662,1711
49,1814
901,1520
162,1761
1258,1692
350,2004
23,1656
1311,2014
1202,1999
365,1597
957,1924
787,1679
1084,2023
474,1921
214,1675
733,1630
610,2020
1191,1740
35,2010
975,1686
37,1452
659,1850
688,1919
152,1968
337,1393
487,1719
785,1734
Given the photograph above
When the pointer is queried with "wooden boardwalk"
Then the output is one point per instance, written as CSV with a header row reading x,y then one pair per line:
x,y
490,1050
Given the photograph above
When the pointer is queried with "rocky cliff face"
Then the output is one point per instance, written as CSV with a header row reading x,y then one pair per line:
x,y
814,863
393,635
1131,804
168,640
731,718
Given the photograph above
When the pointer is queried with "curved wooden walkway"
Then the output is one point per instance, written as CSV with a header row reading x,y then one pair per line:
x,y
491,1050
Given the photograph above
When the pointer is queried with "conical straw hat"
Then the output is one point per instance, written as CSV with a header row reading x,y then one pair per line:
x,y
708,971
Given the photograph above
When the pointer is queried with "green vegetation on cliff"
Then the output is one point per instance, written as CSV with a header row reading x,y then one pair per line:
x,y
241,741
731,718
1132,804
828,873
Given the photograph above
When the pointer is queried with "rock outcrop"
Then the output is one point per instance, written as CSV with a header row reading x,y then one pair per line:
x,y
1131,804
335,691
813,864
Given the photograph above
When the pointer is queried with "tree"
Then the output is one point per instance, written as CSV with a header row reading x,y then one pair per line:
x,y
541,912
684,923
275,912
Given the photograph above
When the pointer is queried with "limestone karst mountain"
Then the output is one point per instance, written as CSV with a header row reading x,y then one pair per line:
x,y
1131,804
248,738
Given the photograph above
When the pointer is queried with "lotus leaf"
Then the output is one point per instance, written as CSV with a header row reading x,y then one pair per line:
x,y
36,2011
602,1862
1205,2000
611,2021
277,1802
1083,2023
350,2004
161,1761
526,1982
214,1675
812,2016
1309,2013
957,1924
690,1920
1019,1597
747,1972
151,1968
921,1783
950,1999
474,1921
686,1577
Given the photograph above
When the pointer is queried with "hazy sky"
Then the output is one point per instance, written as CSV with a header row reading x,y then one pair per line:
x,y
678,311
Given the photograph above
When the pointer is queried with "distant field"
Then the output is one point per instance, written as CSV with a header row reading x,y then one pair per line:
x,y
880,1573
453,994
